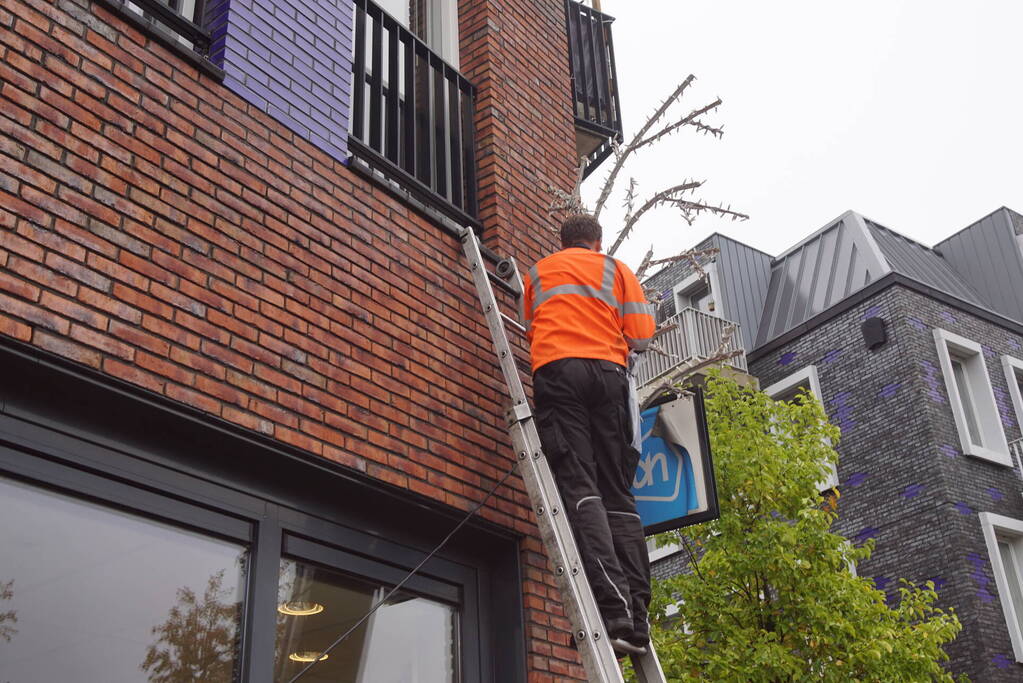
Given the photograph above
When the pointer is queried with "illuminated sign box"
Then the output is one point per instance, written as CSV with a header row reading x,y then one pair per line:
x,y
674,483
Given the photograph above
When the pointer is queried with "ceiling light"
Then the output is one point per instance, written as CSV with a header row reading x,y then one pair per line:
x,y
299,609
308,656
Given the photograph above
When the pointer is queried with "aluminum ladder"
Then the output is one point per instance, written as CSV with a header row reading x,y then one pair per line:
x,y
591,639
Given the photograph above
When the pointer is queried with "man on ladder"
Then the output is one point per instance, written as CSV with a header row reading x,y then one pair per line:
x,y
584,312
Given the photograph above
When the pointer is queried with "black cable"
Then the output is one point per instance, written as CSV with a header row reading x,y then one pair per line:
x,y
407,576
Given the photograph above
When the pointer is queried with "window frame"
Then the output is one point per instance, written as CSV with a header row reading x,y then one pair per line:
x,y
994,447
1013,368
806,376
38,455
692,282
995,527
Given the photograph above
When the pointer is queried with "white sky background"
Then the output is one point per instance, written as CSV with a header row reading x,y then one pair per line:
x,y
907,111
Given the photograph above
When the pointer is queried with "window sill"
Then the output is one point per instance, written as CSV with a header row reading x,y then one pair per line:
x,y
166,38
982,453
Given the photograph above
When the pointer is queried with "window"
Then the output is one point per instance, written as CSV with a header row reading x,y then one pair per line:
x,y
412,119
662,552
699,292
316,606
89,592
174,21
788,389
971,397
435,22
1004,539
1014,377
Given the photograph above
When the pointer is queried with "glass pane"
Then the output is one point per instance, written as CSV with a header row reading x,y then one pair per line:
x,y
89,593
1013,578
790,394
967,401
408,640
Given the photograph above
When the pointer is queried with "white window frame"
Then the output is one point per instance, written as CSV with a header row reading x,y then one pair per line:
x,y
806,376
994,447
662,552
1014,376
693,282
995,526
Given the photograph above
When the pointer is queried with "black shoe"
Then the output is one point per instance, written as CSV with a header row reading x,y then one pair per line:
x,y
623,647
619,628
640,634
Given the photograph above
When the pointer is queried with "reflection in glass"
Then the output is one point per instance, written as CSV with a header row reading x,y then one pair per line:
x,y
103,595
408,640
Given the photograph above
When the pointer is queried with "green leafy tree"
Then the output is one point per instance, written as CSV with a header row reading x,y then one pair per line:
x,y
769,595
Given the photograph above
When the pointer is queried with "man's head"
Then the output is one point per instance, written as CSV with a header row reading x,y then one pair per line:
x,y
581,230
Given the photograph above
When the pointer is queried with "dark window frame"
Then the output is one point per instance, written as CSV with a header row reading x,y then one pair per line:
x,y
155,12
40,446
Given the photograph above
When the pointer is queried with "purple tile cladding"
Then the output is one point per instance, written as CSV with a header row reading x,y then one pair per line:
x,y
286,57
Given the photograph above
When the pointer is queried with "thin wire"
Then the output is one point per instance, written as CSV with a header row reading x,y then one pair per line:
x,y
407,576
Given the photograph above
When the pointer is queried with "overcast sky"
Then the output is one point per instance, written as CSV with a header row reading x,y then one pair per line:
x,y
907,111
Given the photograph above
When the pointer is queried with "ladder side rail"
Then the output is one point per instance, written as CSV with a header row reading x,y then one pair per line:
x,y
588,627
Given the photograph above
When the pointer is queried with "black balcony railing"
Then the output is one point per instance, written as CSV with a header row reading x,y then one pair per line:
x,y
598,116
412,114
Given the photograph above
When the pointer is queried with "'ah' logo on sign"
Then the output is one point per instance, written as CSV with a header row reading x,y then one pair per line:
x,y
659,475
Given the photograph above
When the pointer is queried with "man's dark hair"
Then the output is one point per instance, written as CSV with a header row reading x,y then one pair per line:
x,y
580,230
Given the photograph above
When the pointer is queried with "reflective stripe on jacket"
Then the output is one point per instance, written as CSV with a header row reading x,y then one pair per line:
x,y
579,303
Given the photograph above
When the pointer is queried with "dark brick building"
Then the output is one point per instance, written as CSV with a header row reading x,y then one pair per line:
x,y
245,384
929,407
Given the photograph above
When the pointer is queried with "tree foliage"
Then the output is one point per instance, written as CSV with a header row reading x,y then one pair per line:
x,y
199,639
769,595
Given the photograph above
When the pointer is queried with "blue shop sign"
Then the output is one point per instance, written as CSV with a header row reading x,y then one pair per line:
x,y
674,482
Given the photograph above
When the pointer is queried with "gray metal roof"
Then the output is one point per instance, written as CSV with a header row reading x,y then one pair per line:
x,y
826,267
922,264
981,265
989,255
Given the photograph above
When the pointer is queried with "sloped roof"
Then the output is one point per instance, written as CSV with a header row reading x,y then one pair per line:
x,y
826,267
922,264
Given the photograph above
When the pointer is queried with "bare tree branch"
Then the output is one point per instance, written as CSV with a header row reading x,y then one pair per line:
x,y
571,202
621,156
692,209
669,196
645,264
687,120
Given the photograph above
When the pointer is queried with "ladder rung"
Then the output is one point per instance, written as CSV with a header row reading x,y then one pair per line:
x,y
514,323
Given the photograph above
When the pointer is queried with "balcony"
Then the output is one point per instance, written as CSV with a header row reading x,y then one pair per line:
x,y
598,116
696,337
413,115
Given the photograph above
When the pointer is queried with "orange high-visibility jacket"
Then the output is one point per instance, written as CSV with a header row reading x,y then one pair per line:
x,y
579,303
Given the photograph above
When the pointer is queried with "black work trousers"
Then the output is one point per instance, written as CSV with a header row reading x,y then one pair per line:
x,y
584,425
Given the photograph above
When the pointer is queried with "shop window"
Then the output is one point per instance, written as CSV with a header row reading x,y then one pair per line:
x,y
788,389
1004,539
971,397
409,637
90,592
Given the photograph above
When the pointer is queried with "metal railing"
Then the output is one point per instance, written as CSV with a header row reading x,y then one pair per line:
x,y
413,115
697,336
594,77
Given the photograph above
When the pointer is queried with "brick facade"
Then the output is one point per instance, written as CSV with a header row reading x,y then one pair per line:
x,y
903,478
166,231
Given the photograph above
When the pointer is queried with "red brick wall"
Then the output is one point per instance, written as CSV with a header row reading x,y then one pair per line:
x,y
156,228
